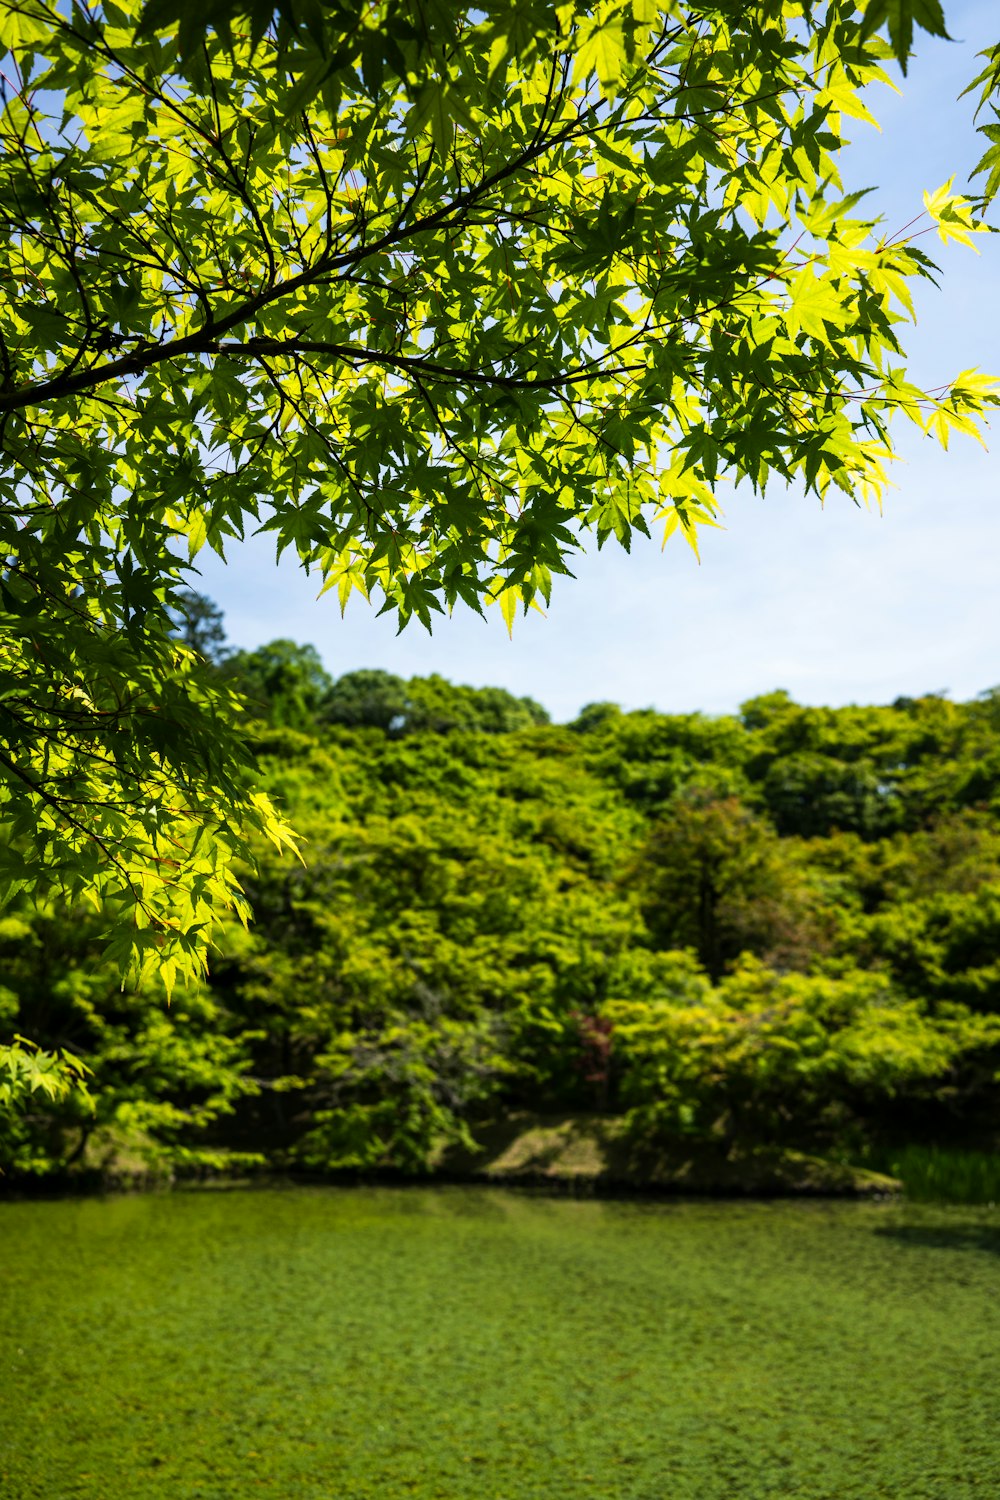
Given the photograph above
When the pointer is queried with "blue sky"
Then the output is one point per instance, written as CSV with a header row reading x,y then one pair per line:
x,y
836,605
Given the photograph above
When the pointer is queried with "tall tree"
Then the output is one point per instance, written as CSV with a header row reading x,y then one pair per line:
x,y
426,292
282,681
713,876
198,622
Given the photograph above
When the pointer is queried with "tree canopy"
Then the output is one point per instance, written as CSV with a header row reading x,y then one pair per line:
x,y
428,294
545,918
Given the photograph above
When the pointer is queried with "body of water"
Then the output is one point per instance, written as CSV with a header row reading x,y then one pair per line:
x,y
466,1344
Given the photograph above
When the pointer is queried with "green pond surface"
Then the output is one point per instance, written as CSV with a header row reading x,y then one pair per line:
x,y
341,1344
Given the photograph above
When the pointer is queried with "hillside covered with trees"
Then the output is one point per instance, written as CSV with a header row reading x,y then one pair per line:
x,y
779,927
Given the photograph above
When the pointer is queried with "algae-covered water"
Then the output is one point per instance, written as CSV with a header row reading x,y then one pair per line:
x,y
346,1344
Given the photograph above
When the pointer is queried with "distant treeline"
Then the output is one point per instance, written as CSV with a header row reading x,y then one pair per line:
x,y
781,926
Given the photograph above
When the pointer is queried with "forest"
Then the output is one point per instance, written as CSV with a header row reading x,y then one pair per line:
x,y
779,927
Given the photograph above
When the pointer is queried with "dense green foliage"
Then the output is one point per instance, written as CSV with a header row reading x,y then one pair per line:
x,y
480,1345
427,292
778,927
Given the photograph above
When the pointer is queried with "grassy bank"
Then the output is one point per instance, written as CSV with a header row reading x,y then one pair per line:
x,y
942,1174
594,1152
582,1154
